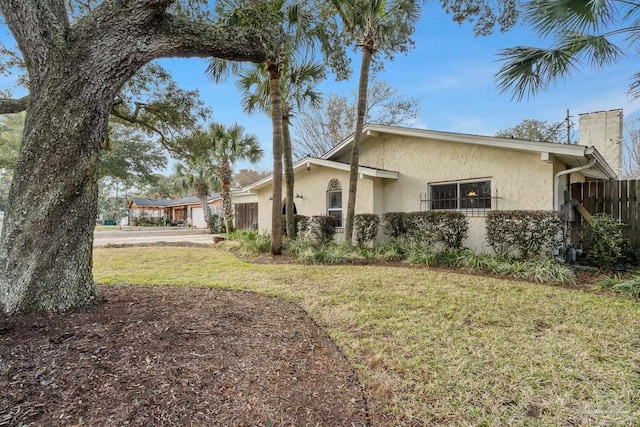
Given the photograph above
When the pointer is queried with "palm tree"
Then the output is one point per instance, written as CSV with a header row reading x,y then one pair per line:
x,y
582,31
297,26
375,26
227,146
297,84
197,175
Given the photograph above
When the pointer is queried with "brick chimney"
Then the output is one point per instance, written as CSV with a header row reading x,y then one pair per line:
x,y
603,130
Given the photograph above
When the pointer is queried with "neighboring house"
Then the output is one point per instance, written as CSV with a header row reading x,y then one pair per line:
x,y
188,211
406,170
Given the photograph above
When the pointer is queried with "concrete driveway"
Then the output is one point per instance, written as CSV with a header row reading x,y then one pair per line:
x,y
154,235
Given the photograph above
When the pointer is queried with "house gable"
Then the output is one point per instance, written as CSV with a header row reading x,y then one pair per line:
x,y
570,154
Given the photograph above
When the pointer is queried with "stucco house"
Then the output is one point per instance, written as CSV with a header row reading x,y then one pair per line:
x,y
404,169
188,211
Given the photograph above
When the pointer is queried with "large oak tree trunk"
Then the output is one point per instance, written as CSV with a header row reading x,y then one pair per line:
x,y
46,244
75,72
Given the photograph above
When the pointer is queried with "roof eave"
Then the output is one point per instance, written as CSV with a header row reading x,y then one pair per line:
x,y
601,164
308,161
372,130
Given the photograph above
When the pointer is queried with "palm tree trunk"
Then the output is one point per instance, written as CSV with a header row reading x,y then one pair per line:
x,y
276,118
224,169
367,53
289,178
202,192
205,209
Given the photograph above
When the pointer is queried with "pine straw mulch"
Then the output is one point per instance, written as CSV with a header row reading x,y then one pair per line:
x,y
175,356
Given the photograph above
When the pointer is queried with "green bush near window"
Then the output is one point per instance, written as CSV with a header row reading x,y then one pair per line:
x,y
366,228
446,228
301,222
603,240
322,229
523,234
396,225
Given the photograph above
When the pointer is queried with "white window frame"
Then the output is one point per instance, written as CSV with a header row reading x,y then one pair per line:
x,y
333,210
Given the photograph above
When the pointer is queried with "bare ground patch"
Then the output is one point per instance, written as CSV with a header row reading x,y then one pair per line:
x,y
175,356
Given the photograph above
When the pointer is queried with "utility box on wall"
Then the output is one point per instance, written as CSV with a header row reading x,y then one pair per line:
x,y
567,212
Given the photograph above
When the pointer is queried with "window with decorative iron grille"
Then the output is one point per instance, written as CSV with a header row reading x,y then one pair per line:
x,y
470,196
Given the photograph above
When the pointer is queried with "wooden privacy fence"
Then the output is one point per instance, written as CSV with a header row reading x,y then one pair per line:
x,y
620,199
246,216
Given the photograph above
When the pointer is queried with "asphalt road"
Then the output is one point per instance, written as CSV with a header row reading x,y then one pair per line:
x,y
128,236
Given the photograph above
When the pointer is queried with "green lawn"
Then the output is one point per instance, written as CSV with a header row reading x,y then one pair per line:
x,y
436,348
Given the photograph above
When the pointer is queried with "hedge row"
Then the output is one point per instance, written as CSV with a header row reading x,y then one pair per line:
x,y
518,234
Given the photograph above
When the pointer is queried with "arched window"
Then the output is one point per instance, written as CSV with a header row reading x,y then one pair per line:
x,y
334,201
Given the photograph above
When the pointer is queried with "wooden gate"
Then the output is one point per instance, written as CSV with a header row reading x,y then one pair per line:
x,y
620,199
246,216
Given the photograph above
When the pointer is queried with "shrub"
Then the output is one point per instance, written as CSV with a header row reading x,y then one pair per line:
x,y
366,228
542,271
396,225
392,251
216,224
523,234
452,229
254,243
321,229
301,222
603,241
302,244
447,228
420,227
418,253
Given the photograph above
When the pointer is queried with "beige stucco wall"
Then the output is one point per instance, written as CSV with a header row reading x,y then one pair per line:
x,y
520,180
312,185
244,198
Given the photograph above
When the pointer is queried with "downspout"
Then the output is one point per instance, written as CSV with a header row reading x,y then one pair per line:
x,y
556,181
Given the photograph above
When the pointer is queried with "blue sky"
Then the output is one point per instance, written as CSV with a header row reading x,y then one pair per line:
x,y
451,72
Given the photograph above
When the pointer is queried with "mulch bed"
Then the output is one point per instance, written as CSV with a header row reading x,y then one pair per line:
x,y
175,356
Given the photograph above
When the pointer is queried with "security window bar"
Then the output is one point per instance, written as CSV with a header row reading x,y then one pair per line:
x,y
472,195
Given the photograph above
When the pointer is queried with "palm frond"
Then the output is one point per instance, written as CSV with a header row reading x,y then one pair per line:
x,y
634,88
597,49
220,69
558,16
528,69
